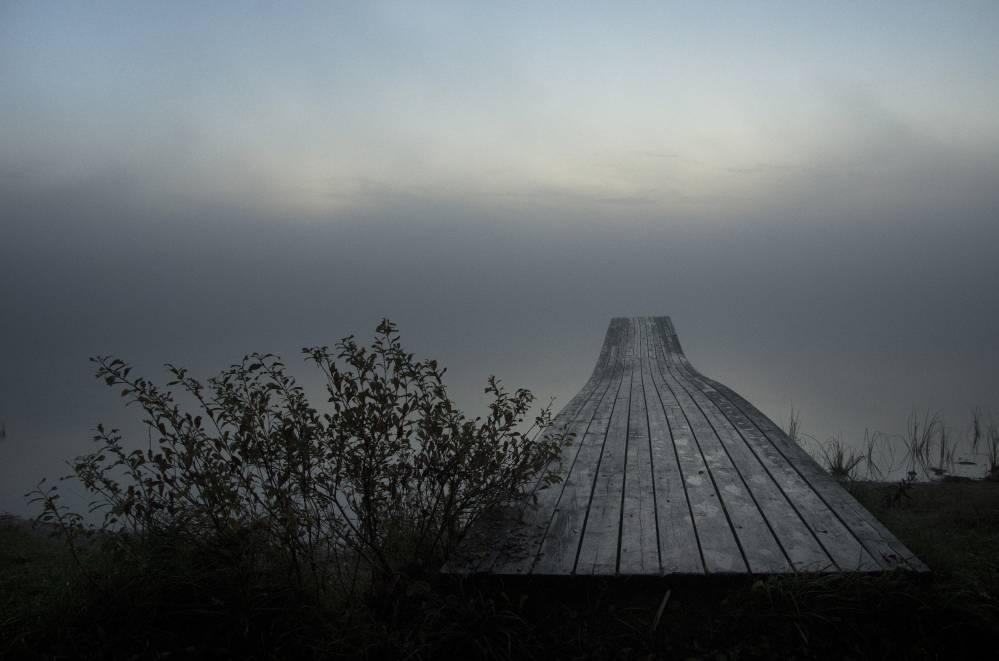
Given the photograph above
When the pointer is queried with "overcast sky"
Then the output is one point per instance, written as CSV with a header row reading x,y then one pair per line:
x,y
809,189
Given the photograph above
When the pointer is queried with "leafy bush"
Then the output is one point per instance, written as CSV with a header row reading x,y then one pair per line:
x,y
386,480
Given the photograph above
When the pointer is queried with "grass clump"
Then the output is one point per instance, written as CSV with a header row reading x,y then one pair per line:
x,y
840,459
929,449
147,612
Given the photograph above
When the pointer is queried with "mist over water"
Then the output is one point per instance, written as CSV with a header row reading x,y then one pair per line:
x,y
852,326
818,211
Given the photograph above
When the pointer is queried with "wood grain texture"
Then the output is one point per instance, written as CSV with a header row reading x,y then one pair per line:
x,y
669,472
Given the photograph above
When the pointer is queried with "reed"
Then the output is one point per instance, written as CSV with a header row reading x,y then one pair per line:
x,y
794,426
976,428
840,459
920,432
946,451
992,449
876,446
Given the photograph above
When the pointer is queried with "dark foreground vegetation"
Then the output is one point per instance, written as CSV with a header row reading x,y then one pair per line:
x,y
184,606
254,526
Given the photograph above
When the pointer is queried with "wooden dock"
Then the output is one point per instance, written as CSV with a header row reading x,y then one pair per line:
x,y
670,473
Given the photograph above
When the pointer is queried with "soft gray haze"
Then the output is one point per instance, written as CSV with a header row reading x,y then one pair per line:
x,y
810,190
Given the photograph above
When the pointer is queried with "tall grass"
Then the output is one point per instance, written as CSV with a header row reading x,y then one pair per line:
x,y
976,428
928,448
992,449
879,455
794,426
802,439
920,432
946,451
837,457
840,459
989,434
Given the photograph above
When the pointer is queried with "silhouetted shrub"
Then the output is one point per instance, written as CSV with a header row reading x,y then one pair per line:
x,y
385,480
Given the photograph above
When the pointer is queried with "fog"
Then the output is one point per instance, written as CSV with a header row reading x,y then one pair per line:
x,y
853,324
838,254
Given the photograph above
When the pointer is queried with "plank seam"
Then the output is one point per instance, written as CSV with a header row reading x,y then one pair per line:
x,y
652,458
714,484
624,458
676,456
596,472
738,470
607,353
695,376
872,552
537,555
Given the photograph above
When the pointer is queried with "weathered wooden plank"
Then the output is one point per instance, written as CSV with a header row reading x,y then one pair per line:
x,y
560,546
540,514
499,543
872,535
598,548
842,547
720,548
679,549
535,517
639,552
794,537
759,544
875,538
670,472
519,552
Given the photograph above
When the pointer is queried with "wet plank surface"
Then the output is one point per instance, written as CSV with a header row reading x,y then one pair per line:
x,y
670,472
